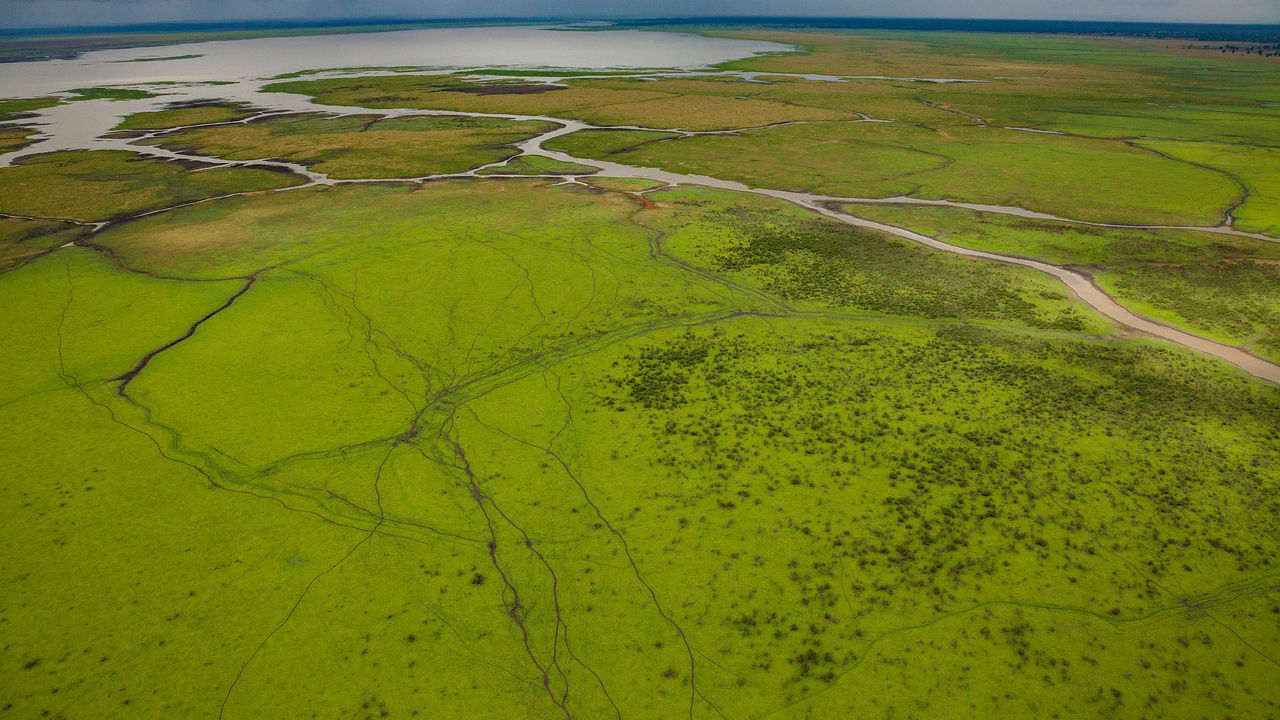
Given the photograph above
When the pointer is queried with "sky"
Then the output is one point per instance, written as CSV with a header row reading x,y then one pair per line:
x,y
33,13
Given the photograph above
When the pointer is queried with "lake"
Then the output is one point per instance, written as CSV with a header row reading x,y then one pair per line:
x,y
452,48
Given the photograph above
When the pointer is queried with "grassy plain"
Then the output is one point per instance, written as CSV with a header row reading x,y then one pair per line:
x,y
183,116
22,239
1220,286
495,448
1074,177
1256,168
16,137
669,104
537,165
696,454
815,262
963,141
1124,90
362,146
91,185
16,108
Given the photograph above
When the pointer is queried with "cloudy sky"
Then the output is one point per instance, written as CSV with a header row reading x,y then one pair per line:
x,y
26,13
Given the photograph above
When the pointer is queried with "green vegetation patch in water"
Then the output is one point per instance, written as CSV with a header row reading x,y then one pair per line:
x,y
538,165
110,93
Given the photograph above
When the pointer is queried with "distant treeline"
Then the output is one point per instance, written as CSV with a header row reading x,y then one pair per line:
x,y
1263,49
1188,31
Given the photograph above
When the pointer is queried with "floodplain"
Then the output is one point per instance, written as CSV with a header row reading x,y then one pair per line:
x,y
375,411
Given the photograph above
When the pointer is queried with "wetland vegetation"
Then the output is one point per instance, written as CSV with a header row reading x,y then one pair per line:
x,y
584,444
362,146
1219,286
92,185
185,115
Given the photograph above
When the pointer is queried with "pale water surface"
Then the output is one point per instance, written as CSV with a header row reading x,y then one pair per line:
x,y
540,46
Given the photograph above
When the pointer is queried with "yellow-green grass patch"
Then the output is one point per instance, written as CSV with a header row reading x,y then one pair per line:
x,y
89,185
363,146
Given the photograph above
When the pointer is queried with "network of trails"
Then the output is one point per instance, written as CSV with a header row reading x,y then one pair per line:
x,y
338,445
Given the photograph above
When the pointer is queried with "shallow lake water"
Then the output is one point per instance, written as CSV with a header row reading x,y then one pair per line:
x,y
524,46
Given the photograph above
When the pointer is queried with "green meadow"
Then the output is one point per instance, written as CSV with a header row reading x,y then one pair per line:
x,y
1080,178
22,239
811,136
91,185
17,108
15,137
362,146
1110,115
1218,286
598,447
109,93
183,116
537,165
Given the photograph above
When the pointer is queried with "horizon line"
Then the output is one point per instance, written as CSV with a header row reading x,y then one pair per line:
x,y
375,20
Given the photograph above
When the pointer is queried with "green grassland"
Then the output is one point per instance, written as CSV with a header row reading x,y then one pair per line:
x,y
16,108
363,146
817,263
183,116
89,185
1256,168
522,448
854,521
599,144
537,165
1219,286
540,450
1123,90
110,93
22,239
1234,301
1075,177
676,104
16,137
953,141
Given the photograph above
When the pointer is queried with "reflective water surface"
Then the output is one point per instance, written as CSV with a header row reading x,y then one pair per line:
x,y
466,47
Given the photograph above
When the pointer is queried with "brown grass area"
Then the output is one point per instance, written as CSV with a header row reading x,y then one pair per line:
x,y
179,117
555,102
875,54
100,184
704,104
15,138
21,238
373,152
704,112
875,98
166,241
